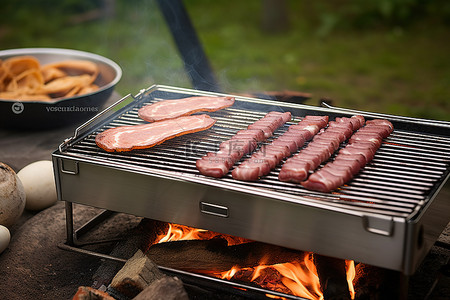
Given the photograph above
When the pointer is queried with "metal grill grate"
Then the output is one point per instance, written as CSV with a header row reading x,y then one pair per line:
x,y
399,180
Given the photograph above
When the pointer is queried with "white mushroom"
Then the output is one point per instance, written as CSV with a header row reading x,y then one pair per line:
x,y
12,196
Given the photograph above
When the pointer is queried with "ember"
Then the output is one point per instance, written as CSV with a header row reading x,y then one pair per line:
x,y
298,277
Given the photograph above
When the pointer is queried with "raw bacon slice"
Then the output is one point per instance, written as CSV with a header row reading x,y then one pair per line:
x,y
258,134
127,138
170,109
362,137
357,148
271,122
313,156
352,162
360,150
331,141
339,130
290,144
338,170
244,142
251,169
242,145
264,160
320,149
381,122
278,152
299,139
383,131
323,181
321,121
226,157
295,171
214,166
285,116
356,121
269,156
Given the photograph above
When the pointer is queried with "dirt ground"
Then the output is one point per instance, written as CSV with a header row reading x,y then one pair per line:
x,y
33,267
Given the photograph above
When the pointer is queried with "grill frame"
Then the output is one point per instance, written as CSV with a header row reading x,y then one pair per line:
x,y
322,223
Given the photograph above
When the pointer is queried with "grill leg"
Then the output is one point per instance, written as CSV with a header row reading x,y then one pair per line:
x,y
72,243
70,235
73,235
396,285
403,286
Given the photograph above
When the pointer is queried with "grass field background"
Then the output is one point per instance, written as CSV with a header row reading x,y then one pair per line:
x,y
389,56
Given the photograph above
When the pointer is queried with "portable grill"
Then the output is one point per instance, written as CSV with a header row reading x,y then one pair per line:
x,y
389,215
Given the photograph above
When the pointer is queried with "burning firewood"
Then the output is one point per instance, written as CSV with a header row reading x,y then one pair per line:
x,y
333,277
215,255
88,293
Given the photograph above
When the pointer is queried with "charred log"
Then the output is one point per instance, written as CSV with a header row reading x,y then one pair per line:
x,y
333,277
215,255
88,293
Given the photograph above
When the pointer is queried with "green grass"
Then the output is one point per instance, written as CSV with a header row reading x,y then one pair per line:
x,y
395,69
398,71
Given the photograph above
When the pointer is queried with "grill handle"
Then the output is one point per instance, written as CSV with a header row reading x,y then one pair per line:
x,y
102,116
378,225
214,209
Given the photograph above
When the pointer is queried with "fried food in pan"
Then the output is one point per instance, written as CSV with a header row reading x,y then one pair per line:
x,y
23,78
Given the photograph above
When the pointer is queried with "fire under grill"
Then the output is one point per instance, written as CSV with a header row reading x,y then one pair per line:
x,y
389,215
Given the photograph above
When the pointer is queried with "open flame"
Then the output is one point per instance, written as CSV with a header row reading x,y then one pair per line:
x,y
179,232
298,278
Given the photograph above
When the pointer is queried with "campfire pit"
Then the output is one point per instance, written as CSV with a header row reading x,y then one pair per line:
x,y
276,269
256,270
40,270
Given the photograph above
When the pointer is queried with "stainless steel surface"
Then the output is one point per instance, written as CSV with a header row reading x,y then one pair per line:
x,y
388,215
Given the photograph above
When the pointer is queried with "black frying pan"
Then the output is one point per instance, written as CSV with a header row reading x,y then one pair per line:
x,y
35,115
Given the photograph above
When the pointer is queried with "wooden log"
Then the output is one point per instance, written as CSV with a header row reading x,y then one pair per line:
x,y
333,277
168,288
88,293
215,255
135,239
137,273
